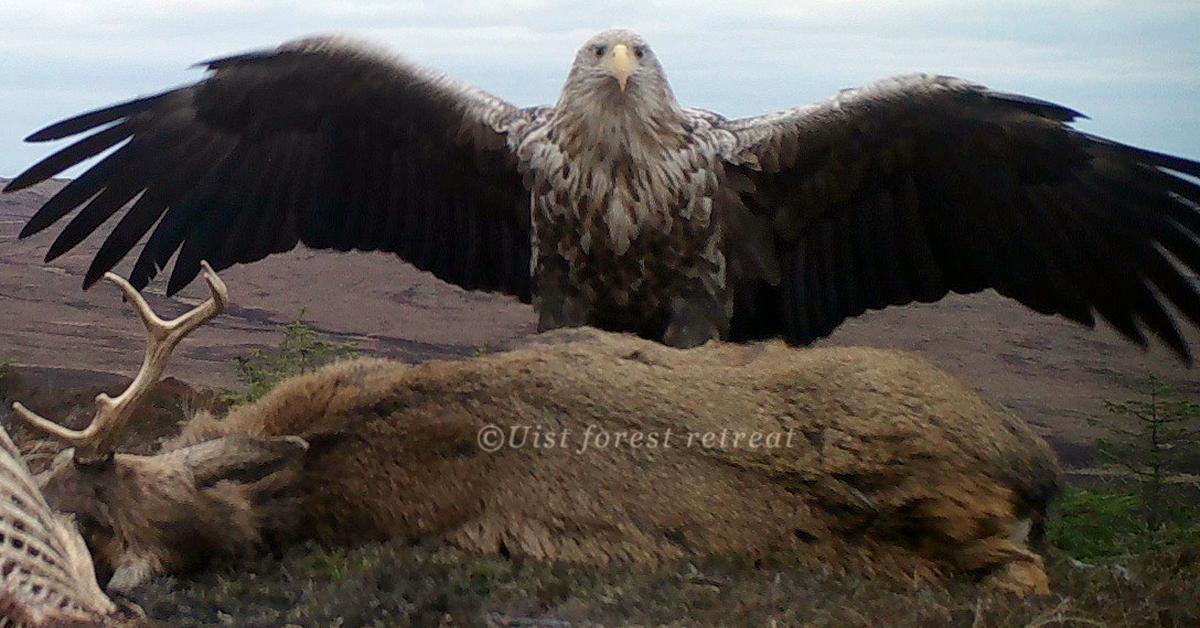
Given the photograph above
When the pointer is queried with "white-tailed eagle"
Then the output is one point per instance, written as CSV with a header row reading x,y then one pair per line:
x,y
619,208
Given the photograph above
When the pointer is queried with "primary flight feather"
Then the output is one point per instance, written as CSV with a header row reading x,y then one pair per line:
x,y
619,208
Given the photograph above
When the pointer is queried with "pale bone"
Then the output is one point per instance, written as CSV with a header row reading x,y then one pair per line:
x,y
49,579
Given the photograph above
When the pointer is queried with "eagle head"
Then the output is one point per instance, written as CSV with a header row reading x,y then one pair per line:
x,y
618,68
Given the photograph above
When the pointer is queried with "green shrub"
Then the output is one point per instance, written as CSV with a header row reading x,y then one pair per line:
x,y
1156,506
301,351
1090,525
1162,440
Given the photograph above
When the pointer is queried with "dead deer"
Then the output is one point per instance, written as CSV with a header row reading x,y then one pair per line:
x,y
852,458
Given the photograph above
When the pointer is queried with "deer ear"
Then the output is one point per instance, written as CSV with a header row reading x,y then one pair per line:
x,y
61,460
242,459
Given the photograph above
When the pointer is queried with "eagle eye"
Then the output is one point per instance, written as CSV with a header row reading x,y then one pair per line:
x,y
600,50
639,51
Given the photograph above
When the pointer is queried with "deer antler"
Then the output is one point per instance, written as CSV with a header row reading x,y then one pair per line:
x,y
100,439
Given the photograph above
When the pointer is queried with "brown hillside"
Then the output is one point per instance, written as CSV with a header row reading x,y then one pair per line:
x,y
1049,371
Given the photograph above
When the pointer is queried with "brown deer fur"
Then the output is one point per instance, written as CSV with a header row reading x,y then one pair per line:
x,y
893,467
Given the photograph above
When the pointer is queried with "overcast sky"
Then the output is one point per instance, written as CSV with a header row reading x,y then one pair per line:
x,y
1133,66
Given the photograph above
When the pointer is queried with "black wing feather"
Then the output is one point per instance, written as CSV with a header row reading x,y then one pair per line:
x,y
319,142
86,148
97,118
952,187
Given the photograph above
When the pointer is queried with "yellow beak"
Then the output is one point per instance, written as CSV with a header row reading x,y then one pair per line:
x,y
622,64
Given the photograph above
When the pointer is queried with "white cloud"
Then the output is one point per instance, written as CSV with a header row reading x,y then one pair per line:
x,y
1132,65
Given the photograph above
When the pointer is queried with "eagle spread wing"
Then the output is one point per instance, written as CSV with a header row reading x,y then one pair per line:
x,y
917,186
899,192
46,573
321,141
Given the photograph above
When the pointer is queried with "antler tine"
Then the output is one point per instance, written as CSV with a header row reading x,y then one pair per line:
x,y
100,439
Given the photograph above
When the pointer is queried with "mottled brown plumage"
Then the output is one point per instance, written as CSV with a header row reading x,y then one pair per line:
x,y
621,209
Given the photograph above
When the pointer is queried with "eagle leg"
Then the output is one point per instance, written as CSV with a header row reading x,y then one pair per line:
x,y
696,317
556,298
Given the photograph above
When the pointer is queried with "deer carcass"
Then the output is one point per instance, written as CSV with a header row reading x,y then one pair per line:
x,y
587,447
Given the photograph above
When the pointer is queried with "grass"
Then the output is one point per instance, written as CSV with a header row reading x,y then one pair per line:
x,y
399,584
1095,525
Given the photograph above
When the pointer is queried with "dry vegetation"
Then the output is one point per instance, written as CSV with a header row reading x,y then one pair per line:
x,y
398,585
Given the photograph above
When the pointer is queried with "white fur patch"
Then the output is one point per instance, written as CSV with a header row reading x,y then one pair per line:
x,y
1020,532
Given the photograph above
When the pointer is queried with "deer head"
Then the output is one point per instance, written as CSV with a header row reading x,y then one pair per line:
x,y
144,515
